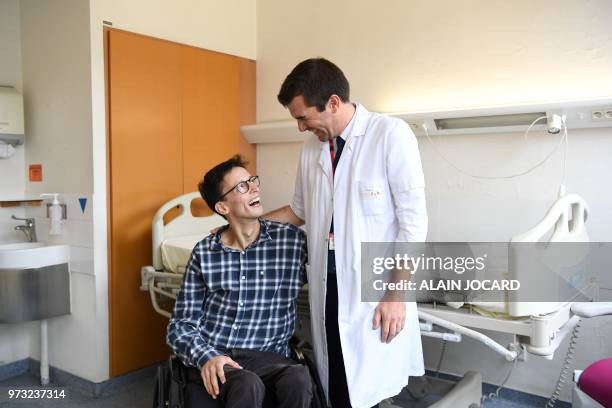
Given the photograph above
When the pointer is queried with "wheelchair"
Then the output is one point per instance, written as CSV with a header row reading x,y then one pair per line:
x,y
179,386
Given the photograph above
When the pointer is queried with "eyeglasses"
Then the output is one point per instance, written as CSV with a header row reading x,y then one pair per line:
x,y
242,187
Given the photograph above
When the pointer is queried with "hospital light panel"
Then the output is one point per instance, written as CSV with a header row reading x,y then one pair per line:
x,y
580,114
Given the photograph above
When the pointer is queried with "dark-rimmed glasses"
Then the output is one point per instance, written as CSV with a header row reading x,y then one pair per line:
x,y
242,187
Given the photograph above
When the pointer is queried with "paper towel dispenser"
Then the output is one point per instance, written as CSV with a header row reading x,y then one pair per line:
x,y
11,116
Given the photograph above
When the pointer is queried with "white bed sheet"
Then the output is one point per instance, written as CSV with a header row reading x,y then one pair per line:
x,y
176,251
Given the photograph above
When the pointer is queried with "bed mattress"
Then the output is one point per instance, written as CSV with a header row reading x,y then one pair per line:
x,y
176,251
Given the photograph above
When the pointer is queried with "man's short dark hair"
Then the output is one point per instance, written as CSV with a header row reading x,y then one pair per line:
x,y
212,183
316,79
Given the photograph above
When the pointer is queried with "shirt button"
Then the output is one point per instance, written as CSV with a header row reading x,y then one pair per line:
x,y
235,327
241,303
243,277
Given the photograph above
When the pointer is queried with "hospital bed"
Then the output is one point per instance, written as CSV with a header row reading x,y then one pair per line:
x,y
537,327
173,240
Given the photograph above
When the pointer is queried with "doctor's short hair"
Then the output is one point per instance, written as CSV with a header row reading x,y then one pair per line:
x,y
212,183
316,79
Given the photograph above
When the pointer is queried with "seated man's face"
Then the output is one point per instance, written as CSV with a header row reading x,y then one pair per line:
x,y
239,205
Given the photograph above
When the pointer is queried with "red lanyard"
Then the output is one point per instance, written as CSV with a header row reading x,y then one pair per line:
x,y
332,154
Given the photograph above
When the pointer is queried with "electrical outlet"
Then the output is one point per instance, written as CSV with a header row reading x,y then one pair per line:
x,y
416,126
602,114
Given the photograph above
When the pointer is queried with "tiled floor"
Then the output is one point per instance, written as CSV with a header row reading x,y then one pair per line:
x,y
136,394
133,395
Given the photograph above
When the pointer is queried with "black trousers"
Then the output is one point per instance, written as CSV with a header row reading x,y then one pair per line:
x,y
287,383
338,388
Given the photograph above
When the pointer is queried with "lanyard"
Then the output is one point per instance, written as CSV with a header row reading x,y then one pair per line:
x,y
332,153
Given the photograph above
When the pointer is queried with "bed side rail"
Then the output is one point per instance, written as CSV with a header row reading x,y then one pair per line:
x,y
184,224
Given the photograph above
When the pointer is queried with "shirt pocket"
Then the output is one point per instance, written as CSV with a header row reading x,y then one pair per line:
x,y
372,196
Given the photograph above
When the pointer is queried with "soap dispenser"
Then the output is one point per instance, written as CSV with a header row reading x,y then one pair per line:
x,y
55,215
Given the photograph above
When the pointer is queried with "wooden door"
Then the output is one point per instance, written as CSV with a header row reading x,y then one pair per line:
x,y
145,170
211,114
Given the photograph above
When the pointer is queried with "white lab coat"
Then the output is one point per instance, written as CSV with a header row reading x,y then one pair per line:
x,y
378,195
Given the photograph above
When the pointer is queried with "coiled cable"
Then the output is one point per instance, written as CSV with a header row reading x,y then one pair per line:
x,y
493,395
571,349
444,342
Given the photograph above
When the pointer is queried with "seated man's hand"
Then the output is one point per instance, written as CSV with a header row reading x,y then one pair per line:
x,y
213,369
390,317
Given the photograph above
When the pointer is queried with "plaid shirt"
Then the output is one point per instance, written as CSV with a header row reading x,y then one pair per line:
x,y
232,299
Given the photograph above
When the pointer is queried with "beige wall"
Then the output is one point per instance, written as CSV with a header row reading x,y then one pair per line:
x,y
10,44
225,26
407,55
56,78
404,55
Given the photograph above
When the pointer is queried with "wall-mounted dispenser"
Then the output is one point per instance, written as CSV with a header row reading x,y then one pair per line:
x,y
6,150
56,213
11,119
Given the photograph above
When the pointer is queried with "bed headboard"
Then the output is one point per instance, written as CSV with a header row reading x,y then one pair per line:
x,y
184,224
565,221
566,218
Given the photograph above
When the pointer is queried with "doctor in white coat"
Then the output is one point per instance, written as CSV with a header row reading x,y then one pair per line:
x,y
367,186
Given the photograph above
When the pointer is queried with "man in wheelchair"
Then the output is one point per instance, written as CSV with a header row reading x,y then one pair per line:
x,y
236,309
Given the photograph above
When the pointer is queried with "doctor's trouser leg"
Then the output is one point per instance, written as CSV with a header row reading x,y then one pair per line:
x,y
338,389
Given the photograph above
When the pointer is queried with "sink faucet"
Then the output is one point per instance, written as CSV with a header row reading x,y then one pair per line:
x,y
29,228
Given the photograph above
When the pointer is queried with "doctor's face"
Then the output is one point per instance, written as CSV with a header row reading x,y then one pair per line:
x,y
309,118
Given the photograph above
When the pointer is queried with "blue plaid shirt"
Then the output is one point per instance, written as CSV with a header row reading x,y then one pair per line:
x,y
232,299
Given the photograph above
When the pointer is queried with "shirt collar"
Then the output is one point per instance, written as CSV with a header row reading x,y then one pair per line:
x,y
264,236
357,125
349,127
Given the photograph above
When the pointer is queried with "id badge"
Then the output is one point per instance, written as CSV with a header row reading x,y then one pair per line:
x,y
332,245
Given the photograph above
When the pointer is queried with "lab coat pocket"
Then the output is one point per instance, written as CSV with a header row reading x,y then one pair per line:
x,y
371,195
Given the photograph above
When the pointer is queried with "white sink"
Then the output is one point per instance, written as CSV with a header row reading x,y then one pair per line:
x,y
34,285
28,255
21,245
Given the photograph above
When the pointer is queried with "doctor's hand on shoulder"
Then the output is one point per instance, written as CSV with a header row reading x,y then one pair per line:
x,y
213,369
391,318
